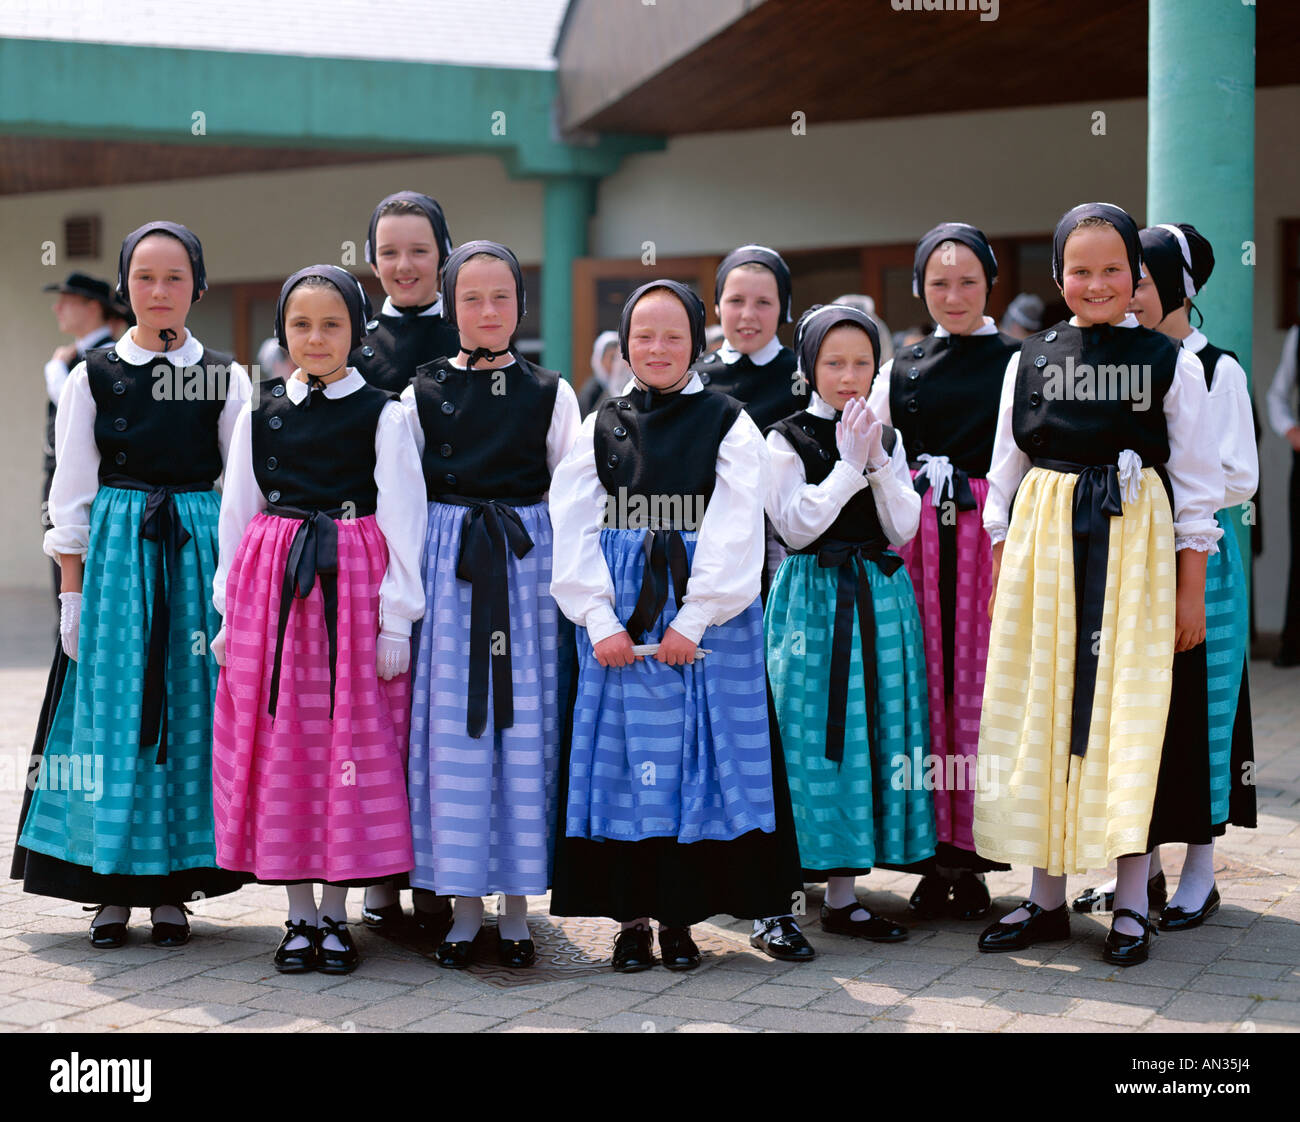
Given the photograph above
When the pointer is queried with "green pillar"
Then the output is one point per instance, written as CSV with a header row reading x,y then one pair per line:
x,y
1201,155
566,206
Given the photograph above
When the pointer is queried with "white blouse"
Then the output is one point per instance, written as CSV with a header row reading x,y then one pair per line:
x,y
726,572
76,476
801,512
1193,465
1230,410
878,398
400,509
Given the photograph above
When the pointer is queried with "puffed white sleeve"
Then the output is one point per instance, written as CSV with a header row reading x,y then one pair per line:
x,y
1280,414
76,471
727,569
412,415
1193,467
239,390
800,511
566,419
401,514
241,500
1238,454
897,503
878,398
580,580
1009,465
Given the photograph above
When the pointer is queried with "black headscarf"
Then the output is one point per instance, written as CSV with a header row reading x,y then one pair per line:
x,y
182,234
1124,226
1179,259
770,260
462,253
354,296
428,206
972,238
813,327
690,301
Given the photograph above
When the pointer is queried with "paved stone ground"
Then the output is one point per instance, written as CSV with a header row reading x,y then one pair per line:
x,y
1238,973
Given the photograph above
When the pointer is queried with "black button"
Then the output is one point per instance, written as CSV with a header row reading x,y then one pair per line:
x,y
449,479
1050,335
808,429
112,357
368,351
913,406
918,351
372,324
625,405
620,431
120,424
448,408
1035,398
120,458
613,460
914,373
704,379
825,455
1036,438
278,391
272,463
119,388
273,496
275,422
440,376
1040,361
445,449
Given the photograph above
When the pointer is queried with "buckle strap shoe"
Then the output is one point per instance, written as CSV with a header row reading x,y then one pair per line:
x,y
107,936
930,898
299,960
1181,919
330,961
1128,950
782,940
170,934
878,929
970,898
1040,926
1093,900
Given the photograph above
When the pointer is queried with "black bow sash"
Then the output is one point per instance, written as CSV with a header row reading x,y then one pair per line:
x,y
1097,499
490,527
851,587
314,552
160,523
665,553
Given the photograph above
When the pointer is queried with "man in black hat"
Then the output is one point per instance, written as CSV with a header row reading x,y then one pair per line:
x,y
84,308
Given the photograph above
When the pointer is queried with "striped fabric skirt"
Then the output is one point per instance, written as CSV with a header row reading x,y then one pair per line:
x,y
955,700
104,806
301,797
670,751
1036,804
873,807
483,808
1227,638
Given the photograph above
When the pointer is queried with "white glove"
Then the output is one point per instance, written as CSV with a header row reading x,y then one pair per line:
x,y
393,655
853,434
70,622
218,647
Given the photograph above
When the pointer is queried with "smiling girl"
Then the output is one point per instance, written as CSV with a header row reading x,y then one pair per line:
x,y
135,532
321,524
1099,577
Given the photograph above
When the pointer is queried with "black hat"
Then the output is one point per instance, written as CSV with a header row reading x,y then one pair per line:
x,y
182,234
770,260
354,296
969,236
816,323
1179,258
690,301
1118,218
432,211
82,284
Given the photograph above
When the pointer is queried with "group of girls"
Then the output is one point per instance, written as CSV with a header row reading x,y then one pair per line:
x,y
727,635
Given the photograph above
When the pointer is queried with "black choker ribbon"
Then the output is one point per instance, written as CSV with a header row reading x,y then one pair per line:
x,y
484,353
167,337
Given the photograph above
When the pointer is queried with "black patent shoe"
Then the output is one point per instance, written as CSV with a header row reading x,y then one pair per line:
x,y
171,934
1128,950
300,960
516,952
455,956
1180,919
336,961
383,919
678,949
634,950
1094,900
930,899
107,936
878,929
970,898
431,927
782,940
1040,926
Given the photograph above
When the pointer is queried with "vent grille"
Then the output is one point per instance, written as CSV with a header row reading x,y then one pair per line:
x,y
81,236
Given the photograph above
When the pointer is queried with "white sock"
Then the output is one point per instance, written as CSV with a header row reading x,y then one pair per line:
x,y
1047,891
168,913
466,919
112,913
1196,879
302,909
333,905
628,925
1155,863
840,894
1131,891
512,920
380,896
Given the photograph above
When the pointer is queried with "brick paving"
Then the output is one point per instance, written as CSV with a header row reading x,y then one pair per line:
x,y
1237,973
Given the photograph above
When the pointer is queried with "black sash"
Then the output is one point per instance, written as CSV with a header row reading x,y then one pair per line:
x,y
852,586
665,553
161,523
1097,500
490,527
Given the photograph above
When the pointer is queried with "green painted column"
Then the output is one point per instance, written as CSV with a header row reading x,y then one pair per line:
x,y
566,206
1201,154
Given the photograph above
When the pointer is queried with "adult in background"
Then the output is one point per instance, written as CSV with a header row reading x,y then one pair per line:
x,y
1023,317
1281,415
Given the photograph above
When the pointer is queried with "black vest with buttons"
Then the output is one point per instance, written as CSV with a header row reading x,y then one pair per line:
x,y
767,392
105,339
318,456
1209,356
159,429
943,394
663,448
1046,423
813,439
395,346
485,430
